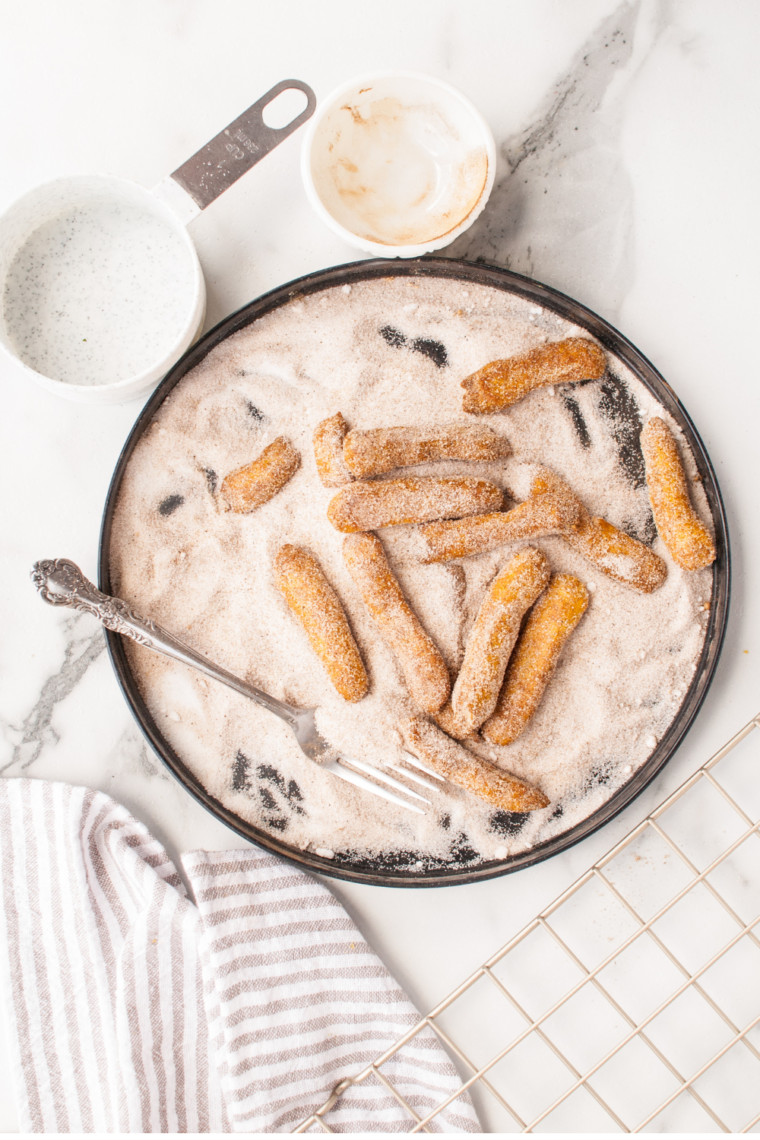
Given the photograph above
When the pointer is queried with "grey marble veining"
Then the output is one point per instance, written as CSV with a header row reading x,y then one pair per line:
x,y
561,212
83,646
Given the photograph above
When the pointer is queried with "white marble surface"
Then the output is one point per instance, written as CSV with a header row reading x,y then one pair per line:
x,y
628,178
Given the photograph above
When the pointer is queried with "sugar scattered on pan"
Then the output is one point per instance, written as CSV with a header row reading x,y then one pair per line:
x,y
207,574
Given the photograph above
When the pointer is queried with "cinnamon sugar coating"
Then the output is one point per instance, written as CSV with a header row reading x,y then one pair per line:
x,y
311,598
374,452
468,771
612,551
504,382
446,719
493,636
424,670
328,451
255,484
687,539
548,626
392,502
536,517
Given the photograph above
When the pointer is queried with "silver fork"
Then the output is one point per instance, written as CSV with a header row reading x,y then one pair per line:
x,y
60,582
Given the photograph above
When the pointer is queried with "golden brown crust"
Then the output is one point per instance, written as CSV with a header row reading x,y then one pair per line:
x,y
687,539
370,453
504,382
611,550
424,669
392,502
328,451
255,484
493,636
314,602
461,767
446,719
537,516
547,628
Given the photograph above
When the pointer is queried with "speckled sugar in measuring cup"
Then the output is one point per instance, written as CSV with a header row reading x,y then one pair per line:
x,y
102,290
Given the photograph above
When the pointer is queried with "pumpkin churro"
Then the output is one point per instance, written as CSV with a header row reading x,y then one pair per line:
x,y
540,515
468,771
504,382
493,636
447,720
424,670
255,484
328,451
369,506
611,550
549,625
687,539
383,449
314,602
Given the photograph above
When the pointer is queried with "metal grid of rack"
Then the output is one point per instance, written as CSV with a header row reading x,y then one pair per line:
x,y
632,1002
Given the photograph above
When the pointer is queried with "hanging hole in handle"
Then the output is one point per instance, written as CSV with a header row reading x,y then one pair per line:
x,y
284,108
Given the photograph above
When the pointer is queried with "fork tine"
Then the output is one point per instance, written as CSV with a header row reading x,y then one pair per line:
x,y
409,759
417,777
379,774
360,781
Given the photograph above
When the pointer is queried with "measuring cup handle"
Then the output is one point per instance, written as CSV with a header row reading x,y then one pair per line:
x,y
239,146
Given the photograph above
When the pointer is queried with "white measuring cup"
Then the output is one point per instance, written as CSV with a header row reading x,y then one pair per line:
x,y
101,286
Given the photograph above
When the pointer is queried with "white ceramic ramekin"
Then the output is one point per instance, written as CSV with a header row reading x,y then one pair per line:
x,y
398,163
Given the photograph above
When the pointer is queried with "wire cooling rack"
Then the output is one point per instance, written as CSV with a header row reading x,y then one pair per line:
x,y
632,1002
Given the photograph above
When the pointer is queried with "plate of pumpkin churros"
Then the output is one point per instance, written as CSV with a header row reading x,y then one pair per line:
x,y
456,513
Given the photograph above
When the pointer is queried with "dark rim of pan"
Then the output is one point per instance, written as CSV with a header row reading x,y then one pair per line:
x,y
394,869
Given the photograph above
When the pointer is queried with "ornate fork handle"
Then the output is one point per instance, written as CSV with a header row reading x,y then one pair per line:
x,y
60,582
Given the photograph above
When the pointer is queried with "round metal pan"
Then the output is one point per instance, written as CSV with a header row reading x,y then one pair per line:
x,y
392,871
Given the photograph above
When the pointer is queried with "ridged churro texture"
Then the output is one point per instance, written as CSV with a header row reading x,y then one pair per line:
x,y
468,771
686,538
311,598
537,516
548,626
383,449
424,670
392,502
328,451
504,382
611,550
493,636
258,482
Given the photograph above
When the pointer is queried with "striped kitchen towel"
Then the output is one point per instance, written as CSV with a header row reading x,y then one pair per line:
x,y
134,1008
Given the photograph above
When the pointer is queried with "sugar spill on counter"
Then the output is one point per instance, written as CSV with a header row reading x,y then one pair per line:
x,y
207,574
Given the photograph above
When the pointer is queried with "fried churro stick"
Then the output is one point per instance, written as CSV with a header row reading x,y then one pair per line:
x,y
550,623
446,719
312,599
686,538
369,506
537,516
251,486
613,551
373,452
504,382
328,451
424,670
463,768
493,636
